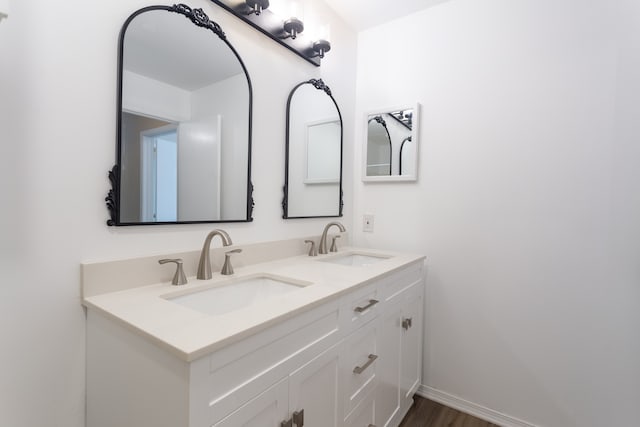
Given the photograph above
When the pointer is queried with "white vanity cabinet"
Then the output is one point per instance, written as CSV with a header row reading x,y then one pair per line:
x,y
383,356
307,397
400,328
351,361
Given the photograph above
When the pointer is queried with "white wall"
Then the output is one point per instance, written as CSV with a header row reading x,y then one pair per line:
x,y
528,200
229,99
141,94
57,121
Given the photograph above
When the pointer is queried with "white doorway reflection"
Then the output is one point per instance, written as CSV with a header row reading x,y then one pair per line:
x,y
159,174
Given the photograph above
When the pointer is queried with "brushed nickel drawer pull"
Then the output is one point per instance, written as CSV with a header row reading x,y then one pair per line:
x,y
360,369
372,302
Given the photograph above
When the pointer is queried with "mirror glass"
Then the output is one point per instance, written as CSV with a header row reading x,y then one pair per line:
x,y
184,122
313,164
391,146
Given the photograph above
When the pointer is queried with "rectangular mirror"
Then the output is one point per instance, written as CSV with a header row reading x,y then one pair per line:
x,y
390,149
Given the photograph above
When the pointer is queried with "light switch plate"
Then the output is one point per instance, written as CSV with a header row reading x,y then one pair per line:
x,y
367,223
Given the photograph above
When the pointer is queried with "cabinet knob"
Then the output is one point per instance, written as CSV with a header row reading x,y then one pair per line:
x,y
298,418
407,323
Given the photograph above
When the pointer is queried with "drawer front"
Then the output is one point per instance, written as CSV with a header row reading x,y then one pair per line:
x,y
363,415
239,373
360,307
358,366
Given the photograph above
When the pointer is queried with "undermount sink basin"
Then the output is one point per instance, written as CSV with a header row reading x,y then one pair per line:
x,y
355,259
236,294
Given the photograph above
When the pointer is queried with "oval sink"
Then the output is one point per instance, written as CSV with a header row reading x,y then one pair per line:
x,y
355,259
236,294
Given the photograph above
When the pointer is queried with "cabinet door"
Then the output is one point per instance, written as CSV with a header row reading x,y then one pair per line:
x,y
411,363
314,389
268,409
388,365
362,416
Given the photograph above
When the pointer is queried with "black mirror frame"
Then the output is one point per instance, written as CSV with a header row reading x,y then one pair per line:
x,y
199,18
378,119
319,85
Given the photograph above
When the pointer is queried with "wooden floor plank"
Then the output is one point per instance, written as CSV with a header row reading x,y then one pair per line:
x,y
427,413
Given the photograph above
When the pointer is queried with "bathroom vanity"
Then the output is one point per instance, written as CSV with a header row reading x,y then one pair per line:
x,y
332,340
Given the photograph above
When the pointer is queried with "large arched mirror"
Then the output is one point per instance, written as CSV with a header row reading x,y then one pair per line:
x,y
313,164
184,122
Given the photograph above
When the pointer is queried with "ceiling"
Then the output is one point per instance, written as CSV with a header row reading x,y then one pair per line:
x,y
364,14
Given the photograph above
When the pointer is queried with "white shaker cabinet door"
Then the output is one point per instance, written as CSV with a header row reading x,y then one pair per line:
x,y
313,392
411,364
268,409
388,366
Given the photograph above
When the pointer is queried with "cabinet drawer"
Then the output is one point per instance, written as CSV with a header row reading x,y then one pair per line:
x,y
242,371
360,307
358,372
363,415
393,286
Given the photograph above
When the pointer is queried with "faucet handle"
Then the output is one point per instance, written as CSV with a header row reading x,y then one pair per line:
x,y
227,268
179,278
312,250
334,247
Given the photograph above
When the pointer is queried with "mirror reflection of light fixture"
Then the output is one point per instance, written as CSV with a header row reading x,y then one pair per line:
x,y
257,6
282,24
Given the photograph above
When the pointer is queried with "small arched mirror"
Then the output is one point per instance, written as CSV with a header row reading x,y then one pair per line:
x,y
379,154
391,144
184,122
313,164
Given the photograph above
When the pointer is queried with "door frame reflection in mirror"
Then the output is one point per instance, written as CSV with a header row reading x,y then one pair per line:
x,y
318,84
399,143
113,199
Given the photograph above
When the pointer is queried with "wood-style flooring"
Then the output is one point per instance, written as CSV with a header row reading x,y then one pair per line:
x,y
427,413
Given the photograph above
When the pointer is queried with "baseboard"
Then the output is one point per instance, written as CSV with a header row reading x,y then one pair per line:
x,y
471,408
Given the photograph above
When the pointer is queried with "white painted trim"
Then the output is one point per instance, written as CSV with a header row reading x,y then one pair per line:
x,y
471,408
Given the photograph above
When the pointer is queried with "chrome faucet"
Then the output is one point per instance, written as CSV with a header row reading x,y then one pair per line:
x,y
323,239
204,266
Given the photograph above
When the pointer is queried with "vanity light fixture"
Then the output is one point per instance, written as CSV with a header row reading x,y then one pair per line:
x,y
257,6
285,31
293,26
320,47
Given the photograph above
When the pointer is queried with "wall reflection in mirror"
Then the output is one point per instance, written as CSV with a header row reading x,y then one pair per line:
x,y
184,138
313,175
391,146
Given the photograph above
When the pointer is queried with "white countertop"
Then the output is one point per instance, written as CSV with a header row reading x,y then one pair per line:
x,y
190,334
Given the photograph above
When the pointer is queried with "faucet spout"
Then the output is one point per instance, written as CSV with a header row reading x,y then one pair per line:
x,y
323,240
204,266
